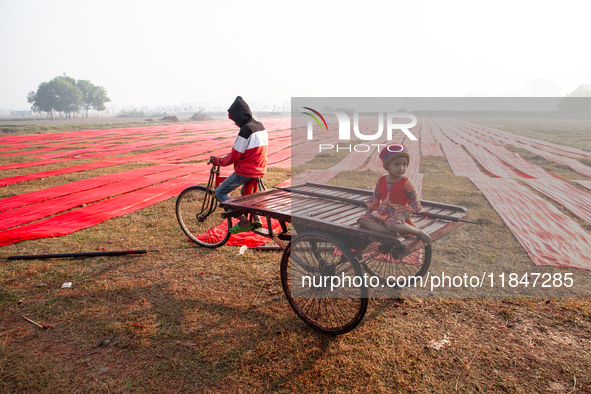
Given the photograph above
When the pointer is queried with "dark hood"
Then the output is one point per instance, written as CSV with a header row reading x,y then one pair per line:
x,y
240,111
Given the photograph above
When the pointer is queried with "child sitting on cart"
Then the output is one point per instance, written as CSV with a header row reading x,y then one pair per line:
x,y
249,156
394,197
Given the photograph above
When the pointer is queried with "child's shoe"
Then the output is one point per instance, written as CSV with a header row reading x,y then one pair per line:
x,y
239,229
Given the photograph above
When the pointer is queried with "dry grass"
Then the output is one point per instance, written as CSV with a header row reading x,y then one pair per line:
x,y
189,319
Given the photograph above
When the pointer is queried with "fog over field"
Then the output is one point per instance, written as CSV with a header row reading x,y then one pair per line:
x,y
202,54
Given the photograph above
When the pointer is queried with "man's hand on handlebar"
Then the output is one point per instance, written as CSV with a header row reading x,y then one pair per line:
x,y
211,159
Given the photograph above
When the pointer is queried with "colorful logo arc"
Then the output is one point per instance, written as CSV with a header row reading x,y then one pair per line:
x,y
315,118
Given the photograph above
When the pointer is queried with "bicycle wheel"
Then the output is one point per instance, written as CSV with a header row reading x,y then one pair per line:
x,y
381,261
308,259
195,208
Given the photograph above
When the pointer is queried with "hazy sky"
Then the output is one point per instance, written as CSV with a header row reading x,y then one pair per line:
x,y
171,52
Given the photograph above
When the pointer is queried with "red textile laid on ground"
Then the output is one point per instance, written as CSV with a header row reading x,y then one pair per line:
x,y
79,186
515,160
415,258
279,156
544,146
218,152
247,238
547,235
429,146
450,131
305,152
281,161
438,134
316,176
571,197
572,163
67,170
91,201
28,164
561,151
353,160
286,183
491,163
575,165
417,181
94,214
414,167
125,148
470,135
431,149
587,184
460,162
29,213
31,151
16,147
375,164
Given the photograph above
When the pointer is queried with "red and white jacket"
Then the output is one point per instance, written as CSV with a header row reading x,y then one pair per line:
x,y
249,153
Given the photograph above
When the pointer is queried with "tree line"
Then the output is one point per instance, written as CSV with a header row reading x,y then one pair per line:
x,y
65,95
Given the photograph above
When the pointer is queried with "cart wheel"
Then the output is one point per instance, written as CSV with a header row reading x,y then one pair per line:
x,y
195,208
311,257
383,262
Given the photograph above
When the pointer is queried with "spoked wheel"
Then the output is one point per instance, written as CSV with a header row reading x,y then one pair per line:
x,y
325,305
195,208
384,262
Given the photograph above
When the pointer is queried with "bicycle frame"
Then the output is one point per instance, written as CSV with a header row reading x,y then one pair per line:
x,y
210,201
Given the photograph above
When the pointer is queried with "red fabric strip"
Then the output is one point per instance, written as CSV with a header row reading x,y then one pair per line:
x,y
571,197
30,152
74,187
460,162
547,235
587,184
94,214
517,161
247,238
67,170
28,164
492,164
29,213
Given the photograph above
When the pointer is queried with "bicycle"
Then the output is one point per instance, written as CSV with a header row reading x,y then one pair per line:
x,y
195,207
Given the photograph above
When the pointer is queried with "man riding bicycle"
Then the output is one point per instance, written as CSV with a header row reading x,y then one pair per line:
x,y
249,156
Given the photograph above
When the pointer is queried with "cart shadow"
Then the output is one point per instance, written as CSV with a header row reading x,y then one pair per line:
x,y
197,335
241,339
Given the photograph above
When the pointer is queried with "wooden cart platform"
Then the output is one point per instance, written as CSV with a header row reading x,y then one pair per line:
x,y
335,209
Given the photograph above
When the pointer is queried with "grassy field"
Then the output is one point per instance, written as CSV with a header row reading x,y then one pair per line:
x,y
42,126
189,319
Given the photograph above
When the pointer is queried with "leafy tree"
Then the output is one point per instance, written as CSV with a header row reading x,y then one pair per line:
x,y
93,97
99,98
87,90
44,99
31,100
66,95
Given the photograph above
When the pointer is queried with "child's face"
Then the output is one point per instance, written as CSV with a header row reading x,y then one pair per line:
x,y
397,167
